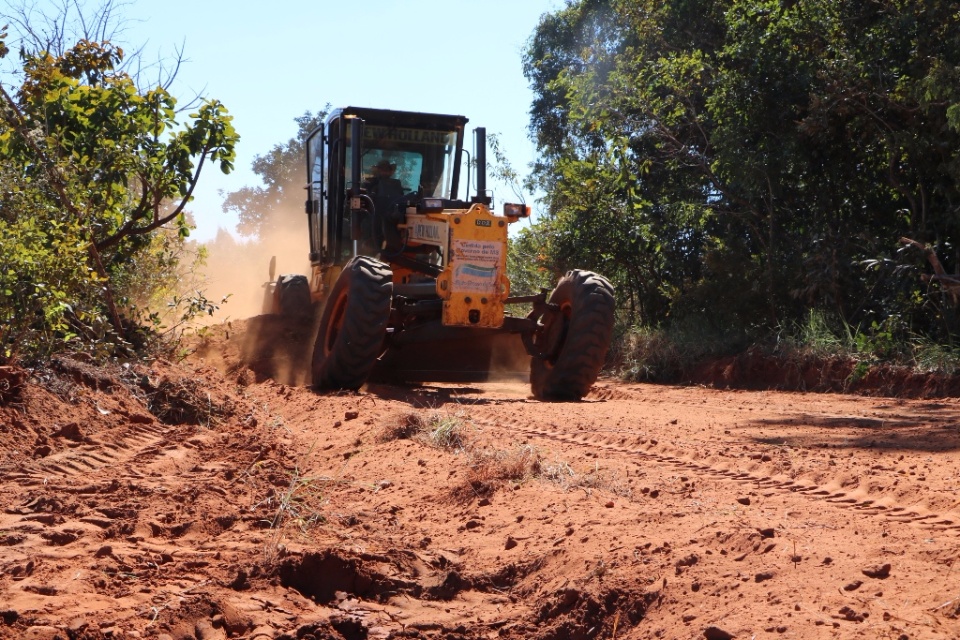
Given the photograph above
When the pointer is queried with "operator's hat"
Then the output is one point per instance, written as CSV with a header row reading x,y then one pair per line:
x,y
386,164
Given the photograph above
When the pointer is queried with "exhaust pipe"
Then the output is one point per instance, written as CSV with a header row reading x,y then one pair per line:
x,y
481,139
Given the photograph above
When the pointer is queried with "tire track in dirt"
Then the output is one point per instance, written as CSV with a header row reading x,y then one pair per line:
x,y
629,443
881,408
96,454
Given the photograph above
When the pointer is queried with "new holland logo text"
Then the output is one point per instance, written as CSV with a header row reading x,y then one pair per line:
x,y
431,232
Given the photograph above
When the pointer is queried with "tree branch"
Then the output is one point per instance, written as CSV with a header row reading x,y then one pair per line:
x,y
130,230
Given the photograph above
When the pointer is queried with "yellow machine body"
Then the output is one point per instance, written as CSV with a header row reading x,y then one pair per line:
x,y
474,283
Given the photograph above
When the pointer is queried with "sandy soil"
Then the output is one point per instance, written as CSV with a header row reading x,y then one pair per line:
x,y
214,499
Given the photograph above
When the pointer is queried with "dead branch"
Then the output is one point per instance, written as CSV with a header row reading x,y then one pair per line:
x,y
950,284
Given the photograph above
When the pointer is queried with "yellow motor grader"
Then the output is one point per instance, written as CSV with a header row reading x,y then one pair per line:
x,y
411,279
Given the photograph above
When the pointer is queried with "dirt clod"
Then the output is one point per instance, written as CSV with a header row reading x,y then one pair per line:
x,y
716,633
879,571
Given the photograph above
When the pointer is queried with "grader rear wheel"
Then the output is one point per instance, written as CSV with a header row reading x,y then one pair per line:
x,y
573,339
294,297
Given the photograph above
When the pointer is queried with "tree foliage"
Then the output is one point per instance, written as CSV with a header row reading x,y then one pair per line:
x,y
748,160
91,166
264,209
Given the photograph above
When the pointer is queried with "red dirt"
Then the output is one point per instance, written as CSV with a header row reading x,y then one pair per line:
x,y
208,500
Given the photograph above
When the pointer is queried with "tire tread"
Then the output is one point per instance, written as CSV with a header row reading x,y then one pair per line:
x,y
584,351
369,286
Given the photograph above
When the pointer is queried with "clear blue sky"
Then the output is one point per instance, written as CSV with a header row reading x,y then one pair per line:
x,y
268,62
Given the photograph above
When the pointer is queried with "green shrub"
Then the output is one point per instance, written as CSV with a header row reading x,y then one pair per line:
x,y
48,300
669,354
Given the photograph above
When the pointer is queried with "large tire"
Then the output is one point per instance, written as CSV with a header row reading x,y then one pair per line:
x,y
294,293
353,325
574,340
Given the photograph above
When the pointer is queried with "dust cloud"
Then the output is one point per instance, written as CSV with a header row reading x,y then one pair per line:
x,y
240,269
509,360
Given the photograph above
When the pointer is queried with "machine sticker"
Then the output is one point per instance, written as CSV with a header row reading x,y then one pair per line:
x,y
430,231
475,278
477,250
477,264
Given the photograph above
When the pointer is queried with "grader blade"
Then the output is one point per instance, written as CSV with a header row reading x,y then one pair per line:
x,y
485,356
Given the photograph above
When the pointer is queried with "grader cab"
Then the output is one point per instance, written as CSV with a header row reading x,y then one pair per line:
x,y
412,279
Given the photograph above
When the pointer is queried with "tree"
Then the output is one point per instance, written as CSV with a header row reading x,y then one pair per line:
x,y
102,161
261,209
747,157
55,26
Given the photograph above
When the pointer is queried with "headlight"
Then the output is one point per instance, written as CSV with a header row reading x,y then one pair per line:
x,y
431,204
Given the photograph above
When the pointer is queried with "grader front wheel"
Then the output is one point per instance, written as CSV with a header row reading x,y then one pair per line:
x,y
353,325
573,337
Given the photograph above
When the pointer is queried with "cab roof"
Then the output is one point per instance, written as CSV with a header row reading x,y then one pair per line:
x,y
415,119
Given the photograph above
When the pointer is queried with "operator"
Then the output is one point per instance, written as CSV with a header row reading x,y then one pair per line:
x,y
383,187
385,191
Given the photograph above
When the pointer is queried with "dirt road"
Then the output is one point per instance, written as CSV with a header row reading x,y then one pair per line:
x,y
205,501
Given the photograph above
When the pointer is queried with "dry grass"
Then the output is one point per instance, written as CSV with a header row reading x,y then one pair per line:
x,y
564,475
296,510
403,426
443,429
489,467
300,504
449,430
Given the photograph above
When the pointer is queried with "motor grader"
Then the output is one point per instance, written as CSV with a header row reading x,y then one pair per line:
x,y
411,279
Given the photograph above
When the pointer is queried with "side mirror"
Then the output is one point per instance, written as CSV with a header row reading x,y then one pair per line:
x,y
516,211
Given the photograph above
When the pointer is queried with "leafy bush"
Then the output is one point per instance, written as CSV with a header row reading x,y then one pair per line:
x,y
163,292
669,354
47,290
93,170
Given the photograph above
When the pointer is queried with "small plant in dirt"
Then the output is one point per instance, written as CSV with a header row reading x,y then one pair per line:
x,y
448,430
438,428
297,507
488,468
558,472
403,427
299,504
564,475
601,479
515,464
